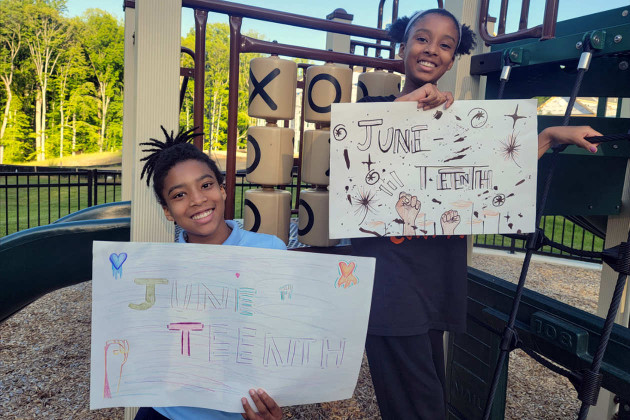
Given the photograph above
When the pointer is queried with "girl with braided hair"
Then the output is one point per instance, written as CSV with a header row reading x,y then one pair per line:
x,y
420,282
189,187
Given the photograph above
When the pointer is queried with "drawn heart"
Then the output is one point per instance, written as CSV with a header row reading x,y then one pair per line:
x,y
238,275
117,260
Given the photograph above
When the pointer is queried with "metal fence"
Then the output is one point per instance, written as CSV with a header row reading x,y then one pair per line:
x,y
32,197
556,228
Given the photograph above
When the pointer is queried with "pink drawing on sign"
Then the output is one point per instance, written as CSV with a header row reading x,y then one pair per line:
x,y
238,275
120,349
185,328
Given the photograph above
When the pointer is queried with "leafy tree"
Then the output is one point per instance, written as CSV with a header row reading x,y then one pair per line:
x,y
103,39
46,35
10,45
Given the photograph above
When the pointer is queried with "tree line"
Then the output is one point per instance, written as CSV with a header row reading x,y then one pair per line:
x,y
62,82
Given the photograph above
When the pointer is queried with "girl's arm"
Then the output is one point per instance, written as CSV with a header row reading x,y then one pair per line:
x,y
553,136
428,96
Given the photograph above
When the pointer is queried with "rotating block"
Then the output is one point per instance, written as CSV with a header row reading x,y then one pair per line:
x,y
324,86
269,155
268,210
378,83
313,214
316,157
272,84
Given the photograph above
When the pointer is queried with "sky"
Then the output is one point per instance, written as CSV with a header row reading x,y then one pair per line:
x,y
365,13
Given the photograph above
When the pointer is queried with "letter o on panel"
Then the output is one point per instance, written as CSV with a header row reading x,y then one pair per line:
x,y
378,83
325,85
268,211
269,155
313,218
316,157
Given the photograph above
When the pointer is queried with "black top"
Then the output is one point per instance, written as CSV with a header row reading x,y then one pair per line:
x,y
420,281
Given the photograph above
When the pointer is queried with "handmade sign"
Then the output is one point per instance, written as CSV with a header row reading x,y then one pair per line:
x,y
396,170
200,325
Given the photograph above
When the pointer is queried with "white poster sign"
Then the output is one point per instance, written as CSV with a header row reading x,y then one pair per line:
x,y
397,170
200,325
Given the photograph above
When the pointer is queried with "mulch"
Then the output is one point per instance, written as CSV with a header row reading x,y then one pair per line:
x,y
45,356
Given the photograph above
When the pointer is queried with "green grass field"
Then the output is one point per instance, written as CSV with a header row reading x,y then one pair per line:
x,y
25,204
558,230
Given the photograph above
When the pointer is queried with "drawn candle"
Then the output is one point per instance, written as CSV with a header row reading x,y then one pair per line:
x,y
463,204
491,213
425,224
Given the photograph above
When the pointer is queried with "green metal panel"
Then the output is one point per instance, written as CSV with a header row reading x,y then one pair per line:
x,y
564,334
605,19
604,78
583,185
470,367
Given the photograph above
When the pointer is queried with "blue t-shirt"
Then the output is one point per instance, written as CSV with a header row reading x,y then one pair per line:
x,y
238,237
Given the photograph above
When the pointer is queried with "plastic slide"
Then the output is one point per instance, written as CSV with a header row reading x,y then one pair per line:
x,y
40,260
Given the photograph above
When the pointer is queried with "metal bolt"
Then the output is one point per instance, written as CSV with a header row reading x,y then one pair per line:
x,y
623,65
624,13
590,207
615,146
596,39
578,45
617,207
618,39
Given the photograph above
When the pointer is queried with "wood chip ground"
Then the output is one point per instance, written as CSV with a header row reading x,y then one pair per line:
x,y
45,356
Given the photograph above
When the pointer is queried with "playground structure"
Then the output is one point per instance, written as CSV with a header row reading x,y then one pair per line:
x,y
558,332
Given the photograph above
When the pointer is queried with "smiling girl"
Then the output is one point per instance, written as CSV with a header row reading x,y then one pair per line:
x,y
189,187
420,283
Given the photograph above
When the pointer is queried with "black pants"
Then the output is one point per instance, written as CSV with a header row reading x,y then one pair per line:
x,y
148,413
408,375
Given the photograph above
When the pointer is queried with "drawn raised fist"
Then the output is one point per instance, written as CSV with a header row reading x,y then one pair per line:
x,y
408,208
449,221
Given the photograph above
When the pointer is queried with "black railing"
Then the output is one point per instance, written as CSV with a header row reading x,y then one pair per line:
x,y
556,228
32,197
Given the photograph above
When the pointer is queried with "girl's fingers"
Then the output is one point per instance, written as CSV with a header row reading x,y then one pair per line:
x,y
249,413
449,99
260,405
274,409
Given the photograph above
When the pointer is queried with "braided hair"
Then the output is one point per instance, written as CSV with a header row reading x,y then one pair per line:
x,y
397,30
163,155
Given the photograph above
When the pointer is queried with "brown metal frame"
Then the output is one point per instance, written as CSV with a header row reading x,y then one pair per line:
x,y
242,44
545,31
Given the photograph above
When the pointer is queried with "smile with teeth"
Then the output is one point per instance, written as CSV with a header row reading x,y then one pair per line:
x,y
426,63
202,215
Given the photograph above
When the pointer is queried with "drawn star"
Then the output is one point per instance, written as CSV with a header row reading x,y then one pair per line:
x,y
514,116
369,163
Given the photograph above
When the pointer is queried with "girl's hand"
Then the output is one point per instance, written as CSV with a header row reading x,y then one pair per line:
x,y
554,136
428,96
267,407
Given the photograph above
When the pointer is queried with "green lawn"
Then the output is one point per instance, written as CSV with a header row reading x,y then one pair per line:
x,y
558,230
27,204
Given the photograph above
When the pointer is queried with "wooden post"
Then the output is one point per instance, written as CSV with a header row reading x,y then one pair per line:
x,y
152,49
129,101
616,232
